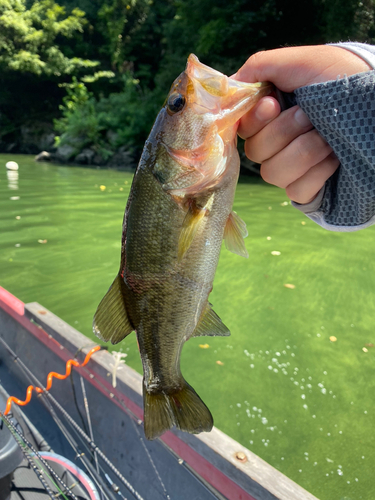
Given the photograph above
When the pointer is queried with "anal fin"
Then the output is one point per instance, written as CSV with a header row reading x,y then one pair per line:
x,y
210,324
234,233
111,321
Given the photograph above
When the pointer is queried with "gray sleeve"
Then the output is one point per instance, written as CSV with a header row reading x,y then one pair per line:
x,y
363,50
343,112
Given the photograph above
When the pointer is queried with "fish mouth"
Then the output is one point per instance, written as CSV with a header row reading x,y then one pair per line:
x,y
215,93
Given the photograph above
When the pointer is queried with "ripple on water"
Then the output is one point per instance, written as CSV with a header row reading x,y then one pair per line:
x,y
287,418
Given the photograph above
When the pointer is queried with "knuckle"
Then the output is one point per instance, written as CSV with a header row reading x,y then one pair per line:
x,y
265,174
251,152
269,174
283,129
256,58
277,131
294,193
309,146
281,184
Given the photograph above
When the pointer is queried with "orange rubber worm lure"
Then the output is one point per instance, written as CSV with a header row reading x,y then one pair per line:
x,y
50,376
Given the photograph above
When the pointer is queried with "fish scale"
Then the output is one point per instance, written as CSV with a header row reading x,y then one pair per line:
x,y
178,211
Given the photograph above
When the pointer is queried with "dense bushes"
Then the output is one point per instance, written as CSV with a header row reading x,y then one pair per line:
x,y
107,123
140,46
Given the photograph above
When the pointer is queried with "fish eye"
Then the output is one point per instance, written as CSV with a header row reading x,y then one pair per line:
x,y
176,102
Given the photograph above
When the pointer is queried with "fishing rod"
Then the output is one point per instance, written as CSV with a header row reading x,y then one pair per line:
x,y
47,399
24,444
88,441
97,479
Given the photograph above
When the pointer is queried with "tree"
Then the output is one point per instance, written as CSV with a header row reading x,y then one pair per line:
x,y
33,61
29,38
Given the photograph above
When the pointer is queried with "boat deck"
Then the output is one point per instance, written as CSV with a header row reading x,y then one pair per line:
x,y
177,466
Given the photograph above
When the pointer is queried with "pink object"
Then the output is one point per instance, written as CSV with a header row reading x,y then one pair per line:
x,y
202,466
11,301
73,469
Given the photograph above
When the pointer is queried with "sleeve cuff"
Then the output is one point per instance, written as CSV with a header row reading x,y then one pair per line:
x,y
313,206
362,50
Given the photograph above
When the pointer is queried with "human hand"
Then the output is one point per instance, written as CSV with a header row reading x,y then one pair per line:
x,y
292,154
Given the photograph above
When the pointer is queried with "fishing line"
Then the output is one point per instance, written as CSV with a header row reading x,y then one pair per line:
x,y
151,461
104,348
66,433
50,376
135,422
70,440
86,404
98,480
79,454
89,440
92,448
18,435
95,448
24,444
76,402
58,422
133,418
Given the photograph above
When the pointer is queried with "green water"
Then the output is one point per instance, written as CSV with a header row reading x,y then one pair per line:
x,y
303,403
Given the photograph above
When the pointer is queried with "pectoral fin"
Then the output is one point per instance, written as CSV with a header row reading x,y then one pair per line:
x,y
111,321
210,325
193,219
234,233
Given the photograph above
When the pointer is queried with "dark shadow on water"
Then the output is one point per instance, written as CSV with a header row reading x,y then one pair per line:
x,y
117,168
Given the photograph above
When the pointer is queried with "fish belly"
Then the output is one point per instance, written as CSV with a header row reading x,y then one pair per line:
x,y
167,297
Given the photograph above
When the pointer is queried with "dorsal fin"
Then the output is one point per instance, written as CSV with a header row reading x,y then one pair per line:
x,y
210,324
234,233
111,321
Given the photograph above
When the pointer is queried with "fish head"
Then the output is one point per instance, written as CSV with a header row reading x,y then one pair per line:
x,y
217,94
202,98
200,118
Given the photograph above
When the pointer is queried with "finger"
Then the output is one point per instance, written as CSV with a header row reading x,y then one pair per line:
x,y
295,160
288,68
305,189
266,110
277,134
292,67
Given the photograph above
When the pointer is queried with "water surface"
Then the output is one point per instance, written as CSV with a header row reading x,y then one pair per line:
x,y
302,402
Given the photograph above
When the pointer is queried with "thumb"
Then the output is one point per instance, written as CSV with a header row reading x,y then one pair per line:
x,y
292,67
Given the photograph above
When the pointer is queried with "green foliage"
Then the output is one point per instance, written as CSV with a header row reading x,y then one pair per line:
x,y
135,34
348,19
104,124
79,125
28,37
142,45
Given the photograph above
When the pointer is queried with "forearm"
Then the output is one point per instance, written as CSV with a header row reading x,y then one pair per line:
x,y
343,112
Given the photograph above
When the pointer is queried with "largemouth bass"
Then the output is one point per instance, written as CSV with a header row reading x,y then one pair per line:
x,y
178,211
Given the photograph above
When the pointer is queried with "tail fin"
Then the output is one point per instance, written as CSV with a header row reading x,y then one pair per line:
x,y
183,408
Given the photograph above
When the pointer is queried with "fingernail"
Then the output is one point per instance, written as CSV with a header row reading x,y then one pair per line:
x,y
265,110
301,118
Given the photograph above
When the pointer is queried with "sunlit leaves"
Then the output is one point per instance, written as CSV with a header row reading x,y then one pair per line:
x,y
28,37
